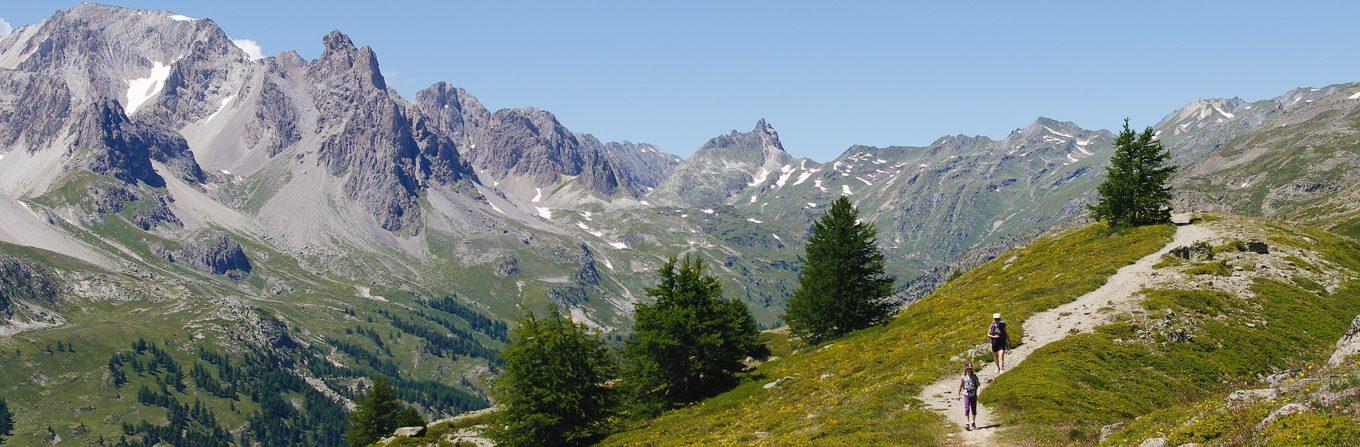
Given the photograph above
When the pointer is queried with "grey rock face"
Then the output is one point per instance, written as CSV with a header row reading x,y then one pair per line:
x,y
532,143
1348,345
124,149
508,266
644,166
386,151
97,49
34,109
724,167
456,112
587,275
274,125
219,254
24,280
527,143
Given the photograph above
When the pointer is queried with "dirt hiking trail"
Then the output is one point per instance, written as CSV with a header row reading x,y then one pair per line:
x,y
1121,292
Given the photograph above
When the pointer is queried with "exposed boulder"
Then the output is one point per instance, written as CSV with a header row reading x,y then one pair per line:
x,y
1245,397
508,266
409,432
1109,430
587,274
1197,252
1153,442
1280,413
215,252
1348,345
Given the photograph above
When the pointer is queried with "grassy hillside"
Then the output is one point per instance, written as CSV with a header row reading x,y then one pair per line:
x,y
860,390
1200,334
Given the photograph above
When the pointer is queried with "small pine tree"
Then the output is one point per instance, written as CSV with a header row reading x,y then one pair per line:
x,y
553,389
690,342
842,286
1135,190
409,417
376,415
6,421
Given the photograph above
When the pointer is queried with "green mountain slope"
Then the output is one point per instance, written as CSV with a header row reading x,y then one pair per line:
x,y
1181,343
879,371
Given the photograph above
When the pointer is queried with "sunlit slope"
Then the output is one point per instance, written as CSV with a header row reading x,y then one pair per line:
x,y
861,390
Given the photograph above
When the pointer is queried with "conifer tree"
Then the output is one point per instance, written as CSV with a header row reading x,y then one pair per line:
x,y
842,286
376,414
1135,190
689,342
409,417
6,421
553,390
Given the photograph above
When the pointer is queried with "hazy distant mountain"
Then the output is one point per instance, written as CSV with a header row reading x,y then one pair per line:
x,y
724,167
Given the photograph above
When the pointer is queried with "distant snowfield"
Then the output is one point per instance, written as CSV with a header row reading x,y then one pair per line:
x,y
140,90
544,212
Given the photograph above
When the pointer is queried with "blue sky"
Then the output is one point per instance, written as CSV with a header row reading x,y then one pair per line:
x,y
826,74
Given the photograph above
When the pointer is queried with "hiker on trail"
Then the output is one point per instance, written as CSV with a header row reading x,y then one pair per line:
x,y
968,392
997,334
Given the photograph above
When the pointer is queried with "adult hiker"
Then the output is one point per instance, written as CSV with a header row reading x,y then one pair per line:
x,y
968,393
997,334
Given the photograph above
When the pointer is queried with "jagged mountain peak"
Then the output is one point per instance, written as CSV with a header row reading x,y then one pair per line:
x,y
337,41
341,61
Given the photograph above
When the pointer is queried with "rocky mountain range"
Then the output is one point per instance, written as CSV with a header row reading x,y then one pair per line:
x,y
145,156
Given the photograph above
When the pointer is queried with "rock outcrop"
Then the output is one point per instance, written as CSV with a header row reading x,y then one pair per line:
x,y
724,167
21,280
1348,345
527,144
386,152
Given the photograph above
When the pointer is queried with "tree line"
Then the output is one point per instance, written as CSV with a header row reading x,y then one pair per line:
x,y
563,386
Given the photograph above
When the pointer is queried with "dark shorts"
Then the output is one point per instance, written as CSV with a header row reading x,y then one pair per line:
x,y
998,345
969,405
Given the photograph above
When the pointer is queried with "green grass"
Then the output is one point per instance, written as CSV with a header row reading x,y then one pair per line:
x,y
1194,345
1216,268
1213,422
861,390
1300,263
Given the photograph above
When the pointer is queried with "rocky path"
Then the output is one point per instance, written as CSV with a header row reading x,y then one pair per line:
x,y
1082,315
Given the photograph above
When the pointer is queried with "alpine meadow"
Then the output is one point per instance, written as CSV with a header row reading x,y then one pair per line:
x,y
208,240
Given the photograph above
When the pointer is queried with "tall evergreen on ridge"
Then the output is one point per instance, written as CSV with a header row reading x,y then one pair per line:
x,y
842,286
377,414
1135,190
690,342
553,390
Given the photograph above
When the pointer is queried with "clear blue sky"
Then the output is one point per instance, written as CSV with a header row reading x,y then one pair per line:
x,y
827,75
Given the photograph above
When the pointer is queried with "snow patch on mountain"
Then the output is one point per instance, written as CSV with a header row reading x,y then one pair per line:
x,y
141,90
